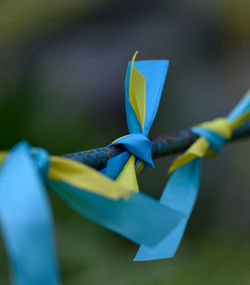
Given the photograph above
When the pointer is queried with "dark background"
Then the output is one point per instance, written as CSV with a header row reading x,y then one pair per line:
x,y
62,70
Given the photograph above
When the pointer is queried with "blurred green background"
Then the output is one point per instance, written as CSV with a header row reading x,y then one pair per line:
x,y
62,69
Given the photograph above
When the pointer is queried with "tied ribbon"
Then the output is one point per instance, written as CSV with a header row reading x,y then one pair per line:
x,y
143,87
26,219
213,136
181,191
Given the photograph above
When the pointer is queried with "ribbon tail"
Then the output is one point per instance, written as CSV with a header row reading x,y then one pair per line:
x,y
140,218
179,194
127,176
26,221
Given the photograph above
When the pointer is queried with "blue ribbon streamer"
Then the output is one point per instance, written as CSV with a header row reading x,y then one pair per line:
x,y
134,218
180,194
26,220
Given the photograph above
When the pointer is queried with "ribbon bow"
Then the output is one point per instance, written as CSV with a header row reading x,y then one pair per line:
x,y
143,87
181,191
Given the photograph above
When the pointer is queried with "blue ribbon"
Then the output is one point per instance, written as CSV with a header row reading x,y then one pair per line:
x,y
26,219
134,218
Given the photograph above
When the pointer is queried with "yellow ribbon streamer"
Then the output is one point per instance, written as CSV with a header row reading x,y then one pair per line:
x,y
127,176
84,177
137,92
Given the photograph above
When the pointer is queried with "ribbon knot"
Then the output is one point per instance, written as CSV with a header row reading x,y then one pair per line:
x,y
213,136
138,145
216,133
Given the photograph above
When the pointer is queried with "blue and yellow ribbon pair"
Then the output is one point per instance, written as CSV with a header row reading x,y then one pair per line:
x,y
143,88
182,188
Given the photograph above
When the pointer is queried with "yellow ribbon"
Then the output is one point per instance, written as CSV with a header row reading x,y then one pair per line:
x,y
83,177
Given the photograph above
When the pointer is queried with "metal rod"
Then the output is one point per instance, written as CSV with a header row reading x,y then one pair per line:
x,y
161,146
